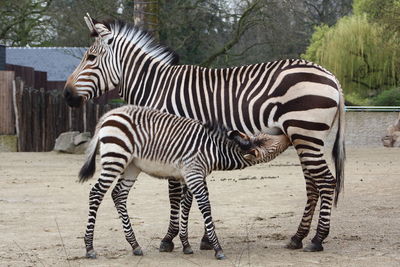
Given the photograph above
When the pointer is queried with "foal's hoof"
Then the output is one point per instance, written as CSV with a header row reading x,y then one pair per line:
x,y
187,250
219,255
91,254
294,244
138,251
313,247
166,246
205,245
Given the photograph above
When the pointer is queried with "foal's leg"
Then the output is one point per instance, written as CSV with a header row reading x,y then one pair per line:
x,y
119,196
195,183
186,204
96,195
205,243
175,192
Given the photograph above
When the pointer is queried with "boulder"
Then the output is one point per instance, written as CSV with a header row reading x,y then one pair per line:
x,y
8,143
82,138
81,149
65,142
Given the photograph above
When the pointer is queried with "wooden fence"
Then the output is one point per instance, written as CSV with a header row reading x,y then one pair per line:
x,y
40,116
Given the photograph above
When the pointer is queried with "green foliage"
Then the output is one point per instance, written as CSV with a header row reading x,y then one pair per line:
x,y
390,97
317,41
359,53
383,12
24,22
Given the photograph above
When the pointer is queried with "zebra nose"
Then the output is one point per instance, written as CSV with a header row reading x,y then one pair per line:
x,y
71,98
67,93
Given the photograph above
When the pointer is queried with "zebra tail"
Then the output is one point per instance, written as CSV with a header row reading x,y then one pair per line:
x,y
338,151
89,168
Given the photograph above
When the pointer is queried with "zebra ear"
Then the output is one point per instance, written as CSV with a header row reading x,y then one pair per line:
x,y
234,134
89,23
251,154
243,140
98,29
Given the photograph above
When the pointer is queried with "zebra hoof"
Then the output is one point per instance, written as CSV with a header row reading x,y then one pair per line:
x,y
219,255
294,244
187,250
138,251
313,247
205,245
91,254
166,246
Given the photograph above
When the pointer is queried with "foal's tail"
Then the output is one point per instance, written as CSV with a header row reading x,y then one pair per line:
x,y
338,151
89,168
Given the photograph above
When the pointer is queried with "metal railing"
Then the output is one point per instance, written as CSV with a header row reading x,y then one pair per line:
x,y
372,108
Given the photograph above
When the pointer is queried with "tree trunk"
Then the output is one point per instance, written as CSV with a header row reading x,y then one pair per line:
x,y
146,15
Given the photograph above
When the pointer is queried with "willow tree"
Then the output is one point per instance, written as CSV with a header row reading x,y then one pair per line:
x,y
361,54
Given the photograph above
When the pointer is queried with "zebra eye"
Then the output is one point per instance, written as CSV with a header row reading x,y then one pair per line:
x,y
91,57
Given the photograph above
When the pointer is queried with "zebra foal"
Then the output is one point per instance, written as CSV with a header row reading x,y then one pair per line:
x,y
134,139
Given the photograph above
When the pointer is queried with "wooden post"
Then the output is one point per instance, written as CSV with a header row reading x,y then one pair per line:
x,y
18,86
7,120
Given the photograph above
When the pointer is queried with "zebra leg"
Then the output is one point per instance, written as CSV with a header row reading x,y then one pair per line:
x,y
305,224
120,196
175,193
96,195
186,204
319,183
205,243
326,184
197,187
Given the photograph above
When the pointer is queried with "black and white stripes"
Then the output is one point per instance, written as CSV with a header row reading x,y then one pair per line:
x,y
297,98
134,140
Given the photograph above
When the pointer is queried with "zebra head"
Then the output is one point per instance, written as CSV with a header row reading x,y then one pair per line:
x,y
261,147
99,69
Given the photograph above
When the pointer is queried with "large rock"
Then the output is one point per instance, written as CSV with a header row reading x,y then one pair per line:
x,y
82,138
65,142
8,143
81,149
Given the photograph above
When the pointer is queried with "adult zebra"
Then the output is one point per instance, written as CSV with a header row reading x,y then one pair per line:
x,y
294,97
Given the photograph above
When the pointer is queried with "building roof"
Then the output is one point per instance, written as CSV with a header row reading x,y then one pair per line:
x,y
58,62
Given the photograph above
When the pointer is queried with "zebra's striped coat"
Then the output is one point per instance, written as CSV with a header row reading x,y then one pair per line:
x,y
294,97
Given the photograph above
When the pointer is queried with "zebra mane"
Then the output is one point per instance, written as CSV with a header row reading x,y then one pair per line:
x,y
221,133
144,40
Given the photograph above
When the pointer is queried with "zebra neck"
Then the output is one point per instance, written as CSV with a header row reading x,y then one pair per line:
x,y
230,158
140,77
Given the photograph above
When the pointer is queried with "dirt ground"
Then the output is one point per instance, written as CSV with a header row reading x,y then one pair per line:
x,y
43,212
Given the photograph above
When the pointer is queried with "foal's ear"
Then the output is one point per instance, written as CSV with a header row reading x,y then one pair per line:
x,y
98,29
251,154
237,134
243,140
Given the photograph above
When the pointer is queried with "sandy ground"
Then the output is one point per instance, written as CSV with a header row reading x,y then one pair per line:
x,y
43,212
